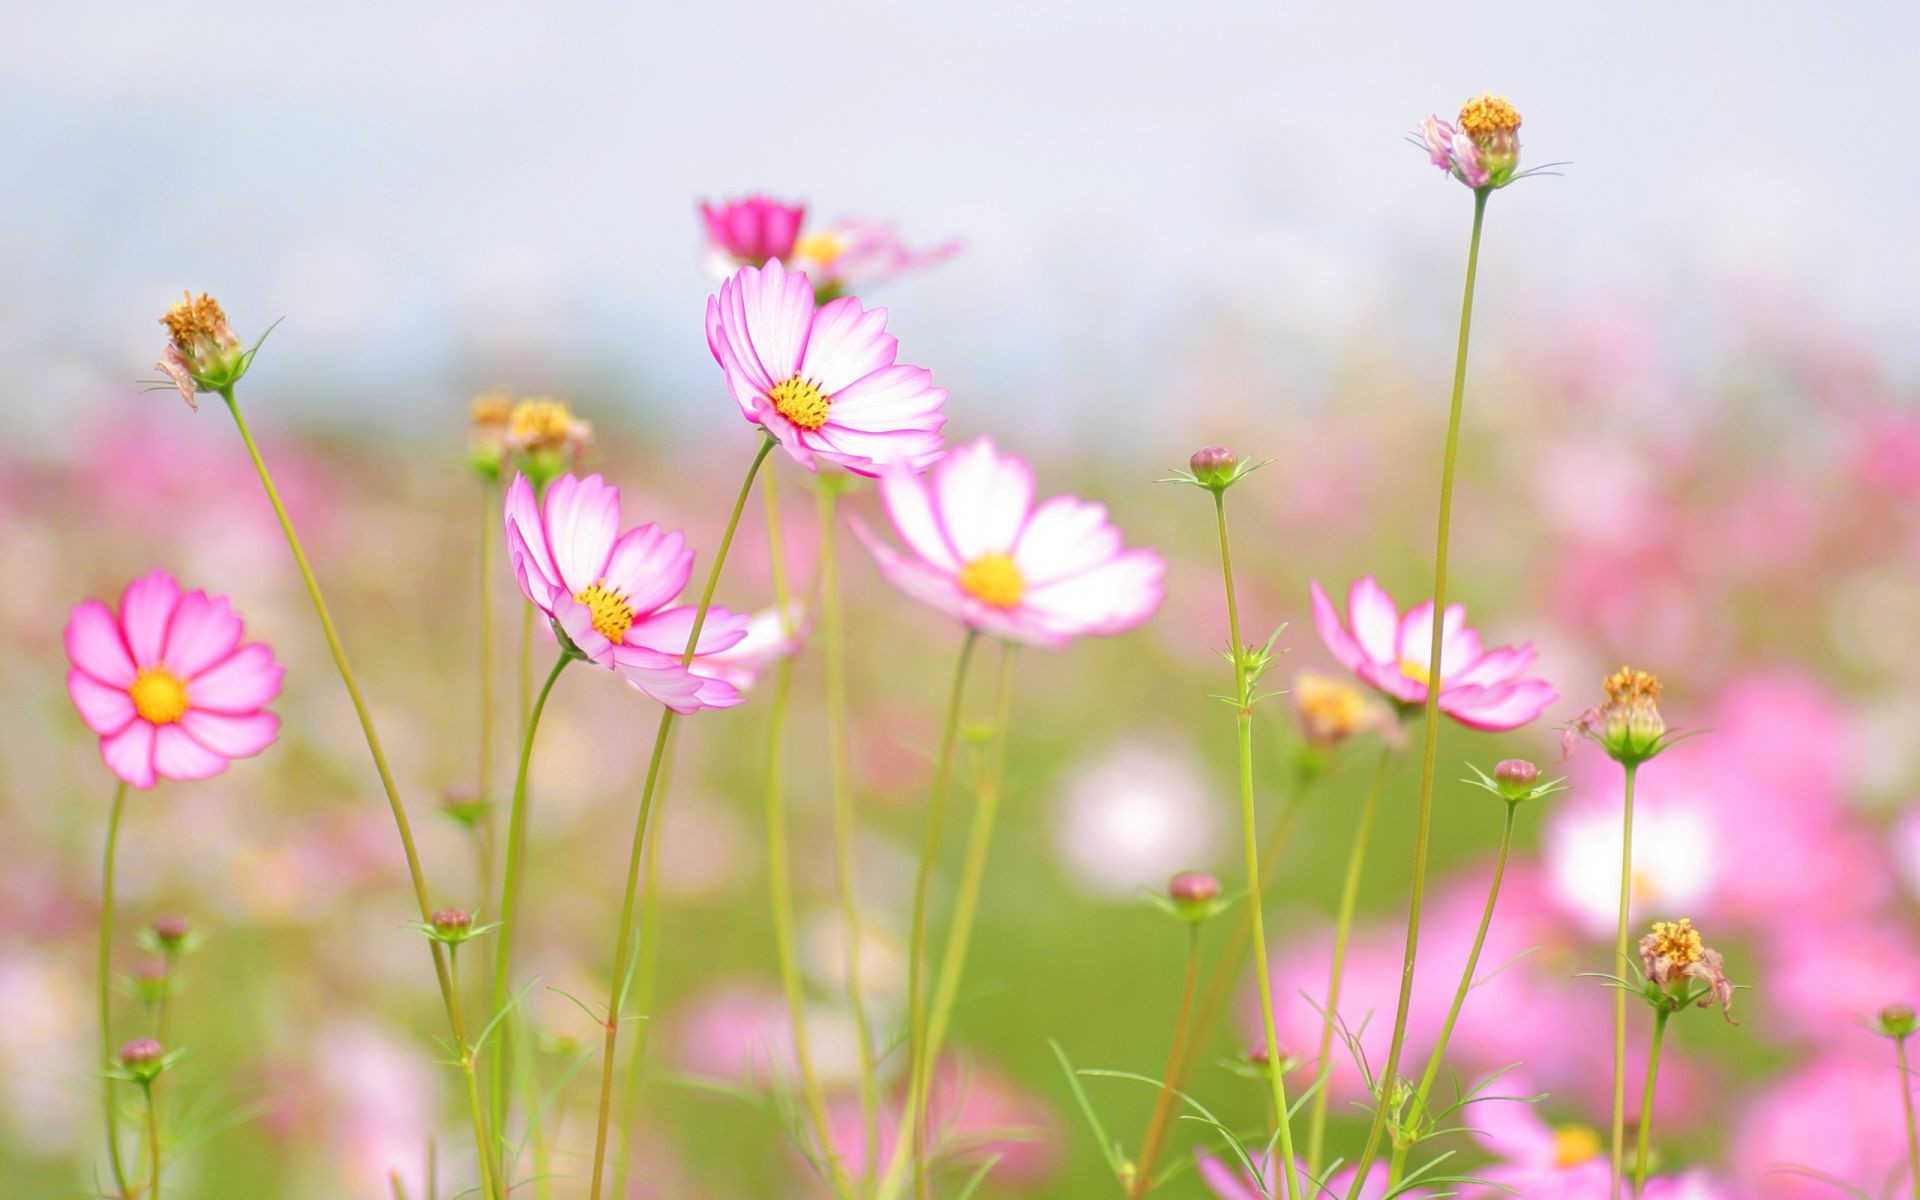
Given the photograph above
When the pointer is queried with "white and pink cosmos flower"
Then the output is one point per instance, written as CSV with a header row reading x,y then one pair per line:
x,y
1480,688
166,683
856,253
749,231
611,594
823,381
979,550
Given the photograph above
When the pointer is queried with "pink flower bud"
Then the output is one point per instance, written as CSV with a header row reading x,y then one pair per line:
x,y
1517,778
1213,466
452,920
170,931
143,1058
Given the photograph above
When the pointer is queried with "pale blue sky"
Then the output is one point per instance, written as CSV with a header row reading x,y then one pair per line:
x,y
439,195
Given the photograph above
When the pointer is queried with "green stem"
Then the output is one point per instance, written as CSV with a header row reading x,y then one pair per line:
x,y
489,530
623,946
1432,1073
1142,1182
1646,1101
1249,836
833,635
489,1164
449,996
1619,1128
919,1070
153,1140
646,976
500,1064
1906,1105
105,983
1423,824
1342,931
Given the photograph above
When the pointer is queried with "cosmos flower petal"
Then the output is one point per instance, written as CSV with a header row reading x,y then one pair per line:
x,y
95,645
105,709
129,754
1495,666
1499,707
527,535
176,755
891,398
242,683
145,609
778,307
1414,643
984,498
663,678
1225,1181
847,343
1339,643
204,631
909,505
1063,537
867,452
235,735
1374,619
920,580
582,518
650,565
1109,599
667,631
746,378
576,621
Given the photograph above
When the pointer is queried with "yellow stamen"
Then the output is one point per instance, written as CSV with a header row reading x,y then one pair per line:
x,y
159,696
993,579
191,320
822,248
1574,1144
492,410
1418,672
1627,684
1677,941
612,615
801,401
541,423
1488,114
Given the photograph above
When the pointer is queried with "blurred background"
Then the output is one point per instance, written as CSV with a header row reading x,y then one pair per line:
x,y
1693,442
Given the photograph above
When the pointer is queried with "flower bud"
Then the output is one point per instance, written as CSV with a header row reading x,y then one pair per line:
x,y
450,921
464,803
1194,895
143,1058
1516,777
1492,125
152,980
1896,1021
1214,466
171,932
487,443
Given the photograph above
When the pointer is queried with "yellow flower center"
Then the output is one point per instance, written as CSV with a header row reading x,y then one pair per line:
x,y
541,423
1627,684
612,615
159,696
1677,941
1574,1144
192,320
1488,114
492,410
801,401
1330,709
1417,672
822,248
993,579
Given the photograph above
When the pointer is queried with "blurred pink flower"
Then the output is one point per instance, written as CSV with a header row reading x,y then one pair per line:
x,y
1837,1115
167,684
382,1103
982,553
1229,1182
853,253
750,230
611,594
823,381
1133,815
765,643
1537,1159
977,1114
1482,689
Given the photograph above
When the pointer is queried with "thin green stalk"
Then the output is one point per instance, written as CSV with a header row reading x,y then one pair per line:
x,y
153,1140
1432,1073
105,984
1163,1102
833,634
1646,1101
1619,1142
449,996
500,1065
1342,931
1423,823
489,530
1906,1106
1249,836
489,1165
646,976
623,947
920,1070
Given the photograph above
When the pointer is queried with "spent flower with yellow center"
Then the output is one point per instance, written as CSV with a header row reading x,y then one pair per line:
x,y
544,438
1677,963
1628,724
995,580
1676,941
1330,709
1492,124
203,353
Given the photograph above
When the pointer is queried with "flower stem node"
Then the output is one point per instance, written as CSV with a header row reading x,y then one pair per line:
x,y
1896,1021
143,1059
1193,896
203,353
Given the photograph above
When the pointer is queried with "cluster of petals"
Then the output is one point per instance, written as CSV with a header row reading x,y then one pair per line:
x,y
1453,151
1228,1182
1480,688
166,683
750,231
611,593
847,254
979,550
823,381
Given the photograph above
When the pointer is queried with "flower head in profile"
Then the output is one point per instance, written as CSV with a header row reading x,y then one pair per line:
x,y
769,637
851,254
610,594
750,231
544,439
1481,149
979,550
1330,710
1628,726
1682,969
1391,653
166,683
203,353
823,381
487,438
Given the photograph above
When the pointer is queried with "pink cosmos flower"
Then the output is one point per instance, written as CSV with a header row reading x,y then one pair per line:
x,y
750,230
1481,689
765,642
611,595
824,380
1228,1182
854,253
1537,1159
167,684
981,552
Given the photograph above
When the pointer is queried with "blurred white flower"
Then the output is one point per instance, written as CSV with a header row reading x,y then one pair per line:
x,y
1675,857
1134,815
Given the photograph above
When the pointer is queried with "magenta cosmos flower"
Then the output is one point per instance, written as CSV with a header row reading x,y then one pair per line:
x,y
1482,689
979,551
610,593
166,683
822,381
750,231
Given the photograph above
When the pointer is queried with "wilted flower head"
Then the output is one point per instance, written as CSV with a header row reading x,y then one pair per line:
x,y
166,683
1330,709
1675,954
749,231
1480,688
979,550
544,438
1628,726
823,381
610,594
203,353
1483,149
